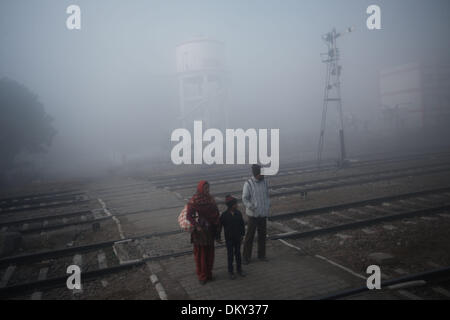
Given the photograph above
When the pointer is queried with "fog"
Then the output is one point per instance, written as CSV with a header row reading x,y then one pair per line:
x,y
112,87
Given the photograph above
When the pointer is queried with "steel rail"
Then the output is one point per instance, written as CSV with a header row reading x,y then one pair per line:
x,y
173,181
57,282
337,181
63,225
359,223
37,196
241,178
23,258
276,217
60,281
234,175
319,209
42,200
282,216
46,206
347,205
43,218
429,276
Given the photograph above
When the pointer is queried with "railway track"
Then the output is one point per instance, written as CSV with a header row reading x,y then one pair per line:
x,y
45,223
190,180
44,203
310,223
339,177
29,214
359,214
37,198
428,283
231,175
37,272
33,215
48,268
303,187
53,222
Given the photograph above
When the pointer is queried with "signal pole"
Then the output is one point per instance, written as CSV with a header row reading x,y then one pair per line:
x,y
332,92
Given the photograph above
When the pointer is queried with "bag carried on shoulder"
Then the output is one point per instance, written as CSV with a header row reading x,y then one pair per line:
x,y
184,223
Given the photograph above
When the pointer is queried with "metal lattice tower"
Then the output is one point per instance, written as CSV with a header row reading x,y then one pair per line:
x,y
332,92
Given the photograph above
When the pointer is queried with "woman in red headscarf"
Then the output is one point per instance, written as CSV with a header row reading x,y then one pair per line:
x,y
204,215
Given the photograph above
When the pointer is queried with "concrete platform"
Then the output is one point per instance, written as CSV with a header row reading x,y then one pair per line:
x,y
288,275
146,199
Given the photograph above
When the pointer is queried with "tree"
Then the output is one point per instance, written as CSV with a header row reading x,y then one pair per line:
x,y
24,124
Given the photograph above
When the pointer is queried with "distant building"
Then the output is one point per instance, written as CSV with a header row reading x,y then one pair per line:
x,y
416,95
202,82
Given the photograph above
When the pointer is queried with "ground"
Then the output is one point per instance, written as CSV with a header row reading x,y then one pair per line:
x,y
297,268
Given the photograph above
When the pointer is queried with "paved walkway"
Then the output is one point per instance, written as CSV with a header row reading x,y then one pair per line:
x,y
287,275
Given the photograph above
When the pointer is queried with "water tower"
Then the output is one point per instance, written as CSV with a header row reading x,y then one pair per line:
x,y
202,82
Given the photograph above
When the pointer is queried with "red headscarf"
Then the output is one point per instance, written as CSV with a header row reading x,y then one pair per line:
x,y
204,204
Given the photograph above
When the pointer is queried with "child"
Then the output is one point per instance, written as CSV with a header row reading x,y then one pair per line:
x,y
233,225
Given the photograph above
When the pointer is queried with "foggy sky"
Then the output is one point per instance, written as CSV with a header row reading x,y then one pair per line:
x,y
111,86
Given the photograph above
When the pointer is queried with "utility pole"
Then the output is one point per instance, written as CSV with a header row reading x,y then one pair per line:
x,y
332,92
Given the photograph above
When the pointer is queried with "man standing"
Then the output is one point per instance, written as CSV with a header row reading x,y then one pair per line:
x,y
255,197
